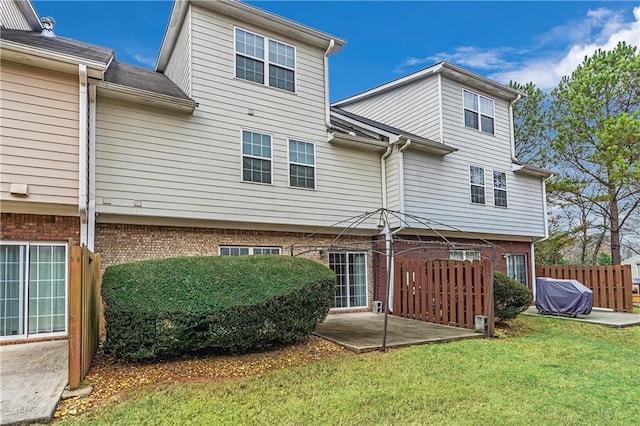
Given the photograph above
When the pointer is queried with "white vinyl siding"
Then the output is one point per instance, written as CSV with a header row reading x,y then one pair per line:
x,y
247,251
413,107
478,112
517,267
178,67
500,189
426,196
351,273
159,164
302,164
265,61
39,126
11,16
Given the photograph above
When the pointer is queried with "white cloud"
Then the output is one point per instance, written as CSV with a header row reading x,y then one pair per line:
x,y
149,61
553,54
142,55
608,29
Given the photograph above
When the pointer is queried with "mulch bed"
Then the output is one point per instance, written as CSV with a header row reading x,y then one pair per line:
x,y
111,377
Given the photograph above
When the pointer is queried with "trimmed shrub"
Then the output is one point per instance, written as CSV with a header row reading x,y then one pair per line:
x,y
167,307
511,297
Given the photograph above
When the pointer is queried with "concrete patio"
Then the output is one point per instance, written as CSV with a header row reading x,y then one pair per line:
x,y
597,316
362,332
32,378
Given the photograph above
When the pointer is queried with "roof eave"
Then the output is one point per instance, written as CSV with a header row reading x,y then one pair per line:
x,y
529,170
178,13
428,146
29,12
30,55
132,94
361,142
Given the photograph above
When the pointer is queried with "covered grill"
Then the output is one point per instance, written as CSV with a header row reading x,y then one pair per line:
x,y
563,297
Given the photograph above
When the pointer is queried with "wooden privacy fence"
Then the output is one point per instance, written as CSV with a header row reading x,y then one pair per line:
x,y
611,285
84,311
448,292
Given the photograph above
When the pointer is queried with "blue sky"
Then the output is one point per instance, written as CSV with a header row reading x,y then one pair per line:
x,y
524,41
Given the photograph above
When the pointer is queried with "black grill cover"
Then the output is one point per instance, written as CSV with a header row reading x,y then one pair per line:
x,y
569,297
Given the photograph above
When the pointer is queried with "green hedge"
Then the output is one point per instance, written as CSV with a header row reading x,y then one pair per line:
x,y
511,297
167,307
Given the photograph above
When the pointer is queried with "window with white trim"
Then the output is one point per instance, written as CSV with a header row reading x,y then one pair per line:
x,y
277,69
256,157
500,189
247,251
464,255
33,289
517,267
302,164
351,273
478,112
476,180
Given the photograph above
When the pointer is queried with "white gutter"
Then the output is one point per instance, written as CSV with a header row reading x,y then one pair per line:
x,y
91,212
440,109
327,116
82,152
511,128
383,170
401,175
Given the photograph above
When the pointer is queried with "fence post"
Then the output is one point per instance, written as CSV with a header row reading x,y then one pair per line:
x,y
75,316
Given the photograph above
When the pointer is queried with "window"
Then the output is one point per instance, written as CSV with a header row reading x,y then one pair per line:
x,y
250,61
302,164
517,267
476,177
351,272
478,112
464,255
256,157
33,283
247,251
500,189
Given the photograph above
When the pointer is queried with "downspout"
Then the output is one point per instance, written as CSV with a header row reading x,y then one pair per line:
x,y
91,212
511,131
387,229
401,176
327,117
546,235
82,152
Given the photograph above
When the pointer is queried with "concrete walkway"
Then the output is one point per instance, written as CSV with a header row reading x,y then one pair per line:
x,y
32,378
362,332
597,316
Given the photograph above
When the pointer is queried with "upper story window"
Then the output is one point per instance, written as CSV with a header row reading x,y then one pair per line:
x,y
302,164
478,112
276,67
247,251
500,189
256,157
476,178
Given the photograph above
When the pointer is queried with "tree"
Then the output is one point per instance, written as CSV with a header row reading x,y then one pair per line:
x,y
530,124
595,114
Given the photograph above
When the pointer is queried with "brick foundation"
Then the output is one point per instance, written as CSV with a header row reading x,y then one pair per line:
x,y
437,249
33,227
121,243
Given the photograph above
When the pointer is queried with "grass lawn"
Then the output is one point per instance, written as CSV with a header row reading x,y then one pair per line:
x,y
553,372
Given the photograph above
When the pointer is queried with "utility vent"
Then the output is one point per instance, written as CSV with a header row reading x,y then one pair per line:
x,y
47,26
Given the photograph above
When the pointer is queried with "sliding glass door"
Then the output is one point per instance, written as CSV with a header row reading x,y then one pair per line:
x,y
351,272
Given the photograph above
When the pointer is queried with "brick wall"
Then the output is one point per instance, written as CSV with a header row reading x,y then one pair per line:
x,y
121,243
33,227
438,249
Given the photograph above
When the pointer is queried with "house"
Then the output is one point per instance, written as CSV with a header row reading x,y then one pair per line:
x,y
230,147
634,261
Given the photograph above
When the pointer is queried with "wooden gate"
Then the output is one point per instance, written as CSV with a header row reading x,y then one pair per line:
x,y
84,311
611,285
449,292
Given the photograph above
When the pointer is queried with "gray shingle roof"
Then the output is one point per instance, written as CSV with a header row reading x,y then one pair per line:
x,y
62,45
143,79
373,123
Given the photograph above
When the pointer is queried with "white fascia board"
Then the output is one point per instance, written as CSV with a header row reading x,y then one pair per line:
x,y
358,142
21,53
30,14
131,94
392,137
463,75
527,169
178,13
